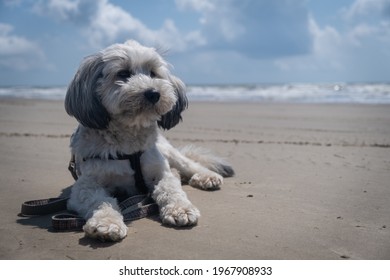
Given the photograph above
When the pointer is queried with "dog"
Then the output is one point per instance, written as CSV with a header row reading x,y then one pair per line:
x,y
123,97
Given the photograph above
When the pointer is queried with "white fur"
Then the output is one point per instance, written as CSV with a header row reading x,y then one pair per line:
x,y
120,113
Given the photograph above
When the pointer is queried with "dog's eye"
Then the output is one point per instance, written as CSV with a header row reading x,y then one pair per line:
x,y
123,74
153,74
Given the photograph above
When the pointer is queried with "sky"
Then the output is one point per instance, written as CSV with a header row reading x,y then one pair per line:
x,y
206,41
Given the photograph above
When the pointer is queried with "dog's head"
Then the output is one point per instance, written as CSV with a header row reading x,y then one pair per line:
x,y
127,82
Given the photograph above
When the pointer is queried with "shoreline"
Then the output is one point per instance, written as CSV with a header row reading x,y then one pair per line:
x,y
312,182
365,93
218,101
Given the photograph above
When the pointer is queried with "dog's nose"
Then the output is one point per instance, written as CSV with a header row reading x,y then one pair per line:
x,y
152,95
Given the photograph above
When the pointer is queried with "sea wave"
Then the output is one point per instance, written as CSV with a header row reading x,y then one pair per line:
x,y
369,93
49,93
296,93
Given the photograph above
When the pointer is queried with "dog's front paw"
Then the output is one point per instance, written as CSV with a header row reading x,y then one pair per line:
x,y
106,225
177,215
206,181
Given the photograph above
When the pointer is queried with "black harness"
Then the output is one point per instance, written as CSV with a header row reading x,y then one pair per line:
x,y
135,164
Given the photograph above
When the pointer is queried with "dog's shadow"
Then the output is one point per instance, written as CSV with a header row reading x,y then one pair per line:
x,y
96,243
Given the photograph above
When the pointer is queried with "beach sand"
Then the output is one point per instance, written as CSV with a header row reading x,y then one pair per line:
x,y
312,182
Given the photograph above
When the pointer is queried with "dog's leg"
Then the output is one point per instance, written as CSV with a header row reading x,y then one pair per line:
x,y
101,211
202,174
175,207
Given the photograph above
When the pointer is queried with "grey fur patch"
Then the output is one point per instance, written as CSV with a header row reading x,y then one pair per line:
x,y
82,100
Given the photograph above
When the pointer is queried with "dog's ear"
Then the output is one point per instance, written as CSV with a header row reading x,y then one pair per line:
x,y
173,117
82,100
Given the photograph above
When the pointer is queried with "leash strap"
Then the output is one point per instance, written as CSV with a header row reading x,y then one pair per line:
x,y
43,206
138,207
134,208
64,222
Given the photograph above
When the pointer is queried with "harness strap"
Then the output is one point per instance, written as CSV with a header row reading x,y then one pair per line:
x,y
135,163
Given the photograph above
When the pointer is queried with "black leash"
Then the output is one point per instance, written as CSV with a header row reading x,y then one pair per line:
x,y
132,208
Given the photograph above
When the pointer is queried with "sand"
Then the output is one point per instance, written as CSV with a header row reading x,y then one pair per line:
x,y
312,182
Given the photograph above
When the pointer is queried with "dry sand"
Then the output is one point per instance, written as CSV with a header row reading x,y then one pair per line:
x,y
313,182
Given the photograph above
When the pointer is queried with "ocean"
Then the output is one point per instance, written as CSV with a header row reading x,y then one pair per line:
x,y
363,93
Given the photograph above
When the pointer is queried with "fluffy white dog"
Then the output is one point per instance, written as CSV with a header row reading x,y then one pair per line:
x,y
121,96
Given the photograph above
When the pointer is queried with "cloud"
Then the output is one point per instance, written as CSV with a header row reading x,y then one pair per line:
x,y
368,8
368,20
326,56
79,12
100,21
104,23
111,23
284,39
197,5
257,28
232,41
18,53
349,53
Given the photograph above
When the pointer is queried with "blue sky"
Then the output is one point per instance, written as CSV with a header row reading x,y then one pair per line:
x,y
207,41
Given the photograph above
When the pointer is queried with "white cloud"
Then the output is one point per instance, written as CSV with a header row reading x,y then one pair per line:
x,y
256,28
327,40
368,20
104,23
346,54
111,23
235,40
221,16
361,31
202,6
59,9
79,12
368,8
17,52
326,55
291,44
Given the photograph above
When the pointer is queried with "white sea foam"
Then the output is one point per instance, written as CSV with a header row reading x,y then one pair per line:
x,y
296,93
50,93
374,93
